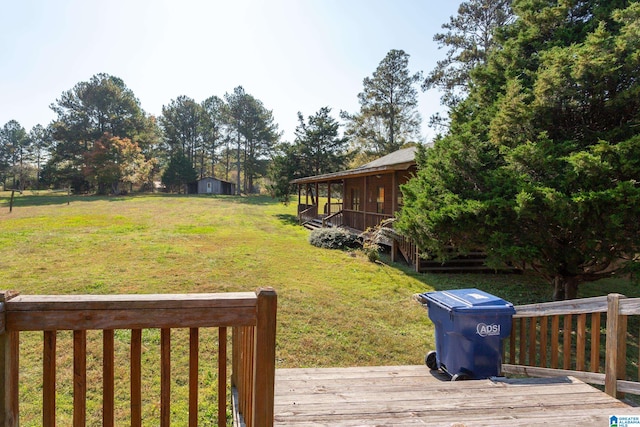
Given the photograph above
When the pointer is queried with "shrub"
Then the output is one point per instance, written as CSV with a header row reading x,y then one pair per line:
x,y
333,238
372,251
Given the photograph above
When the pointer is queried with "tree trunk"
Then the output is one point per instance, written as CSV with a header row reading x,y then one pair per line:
x,y
565,288
558,288
571,288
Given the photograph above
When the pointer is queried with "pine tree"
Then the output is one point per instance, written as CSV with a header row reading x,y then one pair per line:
x,y
388,117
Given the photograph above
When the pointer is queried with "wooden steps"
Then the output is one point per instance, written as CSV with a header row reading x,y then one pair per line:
x,y
314,224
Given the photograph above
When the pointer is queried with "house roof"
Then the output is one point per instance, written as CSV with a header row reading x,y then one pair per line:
x,y
398,160
215,179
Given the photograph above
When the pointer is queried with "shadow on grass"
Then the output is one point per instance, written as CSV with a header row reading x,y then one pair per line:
x,y
48,198
29,198
287,219
256,200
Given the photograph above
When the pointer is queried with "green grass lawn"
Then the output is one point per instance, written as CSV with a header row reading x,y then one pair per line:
x,y
334,308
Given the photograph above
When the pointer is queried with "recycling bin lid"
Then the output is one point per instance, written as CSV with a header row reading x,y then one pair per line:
x,y
468,299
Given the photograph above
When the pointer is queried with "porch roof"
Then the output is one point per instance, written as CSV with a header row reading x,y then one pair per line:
x,y
398,160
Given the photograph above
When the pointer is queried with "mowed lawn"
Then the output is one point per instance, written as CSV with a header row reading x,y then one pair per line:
x,y
335,308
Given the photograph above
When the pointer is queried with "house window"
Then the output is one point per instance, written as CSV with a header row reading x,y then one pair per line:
x,y
380,201
355,199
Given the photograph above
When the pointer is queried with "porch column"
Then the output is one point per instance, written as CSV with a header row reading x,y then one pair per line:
x,y
394,193
306,192
329,197
317,196
366,203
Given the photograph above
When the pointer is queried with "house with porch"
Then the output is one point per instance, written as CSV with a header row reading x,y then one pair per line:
x,y
358,198
361,198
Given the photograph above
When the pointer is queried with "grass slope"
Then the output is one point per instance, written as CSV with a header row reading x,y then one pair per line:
x,y
334,309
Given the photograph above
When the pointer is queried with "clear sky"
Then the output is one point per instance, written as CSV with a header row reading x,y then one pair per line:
x,y
293,55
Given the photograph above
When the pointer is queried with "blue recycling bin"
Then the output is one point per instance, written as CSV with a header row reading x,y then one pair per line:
x,y
470,326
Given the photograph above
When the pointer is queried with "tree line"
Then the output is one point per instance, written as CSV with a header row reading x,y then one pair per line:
x,y
103,141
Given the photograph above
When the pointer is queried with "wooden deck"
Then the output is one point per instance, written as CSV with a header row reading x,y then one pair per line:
x,y
413,395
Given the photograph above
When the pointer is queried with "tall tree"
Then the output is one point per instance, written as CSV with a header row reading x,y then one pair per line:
x,y
104,104
317,149
14,149
179,172
39,146
254,133
541,163
181,123
285,166
469,38
212,127
321,148
388,116
236,118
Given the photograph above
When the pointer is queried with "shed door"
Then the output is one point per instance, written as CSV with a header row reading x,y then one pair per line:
x,y
208,186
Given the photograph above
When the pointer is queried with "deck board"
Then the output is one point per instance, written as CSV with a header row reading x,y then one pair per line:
x,y
413,395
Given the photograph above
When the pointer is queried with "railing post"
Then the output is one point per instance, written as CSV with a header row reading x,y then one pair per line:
x,y
615,356
264,363
9,367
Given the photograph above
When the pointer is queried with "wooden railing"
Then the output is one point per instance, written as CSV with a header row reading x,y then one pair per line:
x,y
252,317
567,338
303,207
308,214
332,208
333,220
362,220
409,251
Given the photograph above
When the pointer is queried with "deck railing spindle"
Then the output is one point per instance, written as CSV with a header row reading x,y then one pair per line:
x,y
108,367
595,342
532,340
194,350
136,377
222,376
49,379
79,378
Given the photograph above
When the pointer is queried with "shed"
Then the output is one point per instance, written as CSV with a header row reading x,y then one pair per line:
x,y
210,185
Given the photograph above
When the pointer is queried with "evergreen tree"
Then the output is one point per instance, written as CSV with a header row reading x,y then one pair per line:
x,y
14,149
320,148
39,146
181,123
285,166
540,166
388,116
178,173
85,113
254,133
317,149
469,38
212,128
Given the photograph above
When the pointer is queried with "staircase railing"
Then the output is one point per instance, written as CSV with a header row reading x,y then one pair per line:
x,y
308,214
333,220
